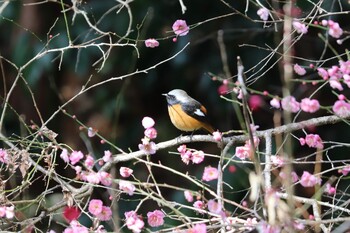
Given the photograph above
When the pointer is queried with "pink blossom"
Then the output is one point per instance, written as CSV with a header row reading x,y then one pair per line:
x,y
105,178
198,228
335,30
75,157
197,157
300,27
188,196
125,171
199,205
243,152
10,212
345,170
309,105
75,227
255,102
210,173
89,161
323,73
329,189
71,213
105,214
182,149
64,155
290,104
223,89
155,218
344,67
148,147
92,177
147,122
309,180
341,108
275,103
314,141
214,207
2,211
151,43
180,27
217,136
277,160
151,133
127,187
347,80
107,156
133,221
263,13
295,177
186,157
255,138
95,206
4,157
299,70
335,84
92,132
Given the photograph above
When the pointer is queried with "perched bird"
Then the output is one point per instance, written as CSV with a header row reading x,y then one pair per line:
x,y
186,113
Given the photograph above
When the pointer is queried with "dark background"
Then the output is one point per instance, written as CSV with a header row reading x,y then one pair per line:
x,y
117,108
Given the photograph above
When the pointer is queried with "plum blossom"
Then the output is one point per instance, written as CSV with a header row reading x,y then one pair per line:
x,y
64,155
133,221
147,122
309,180
243,152
127,187
151,43
95,206
345,171
341,108
314,140
198,228
214,207
125,171
147,146
263,13
300,27
4,157
210,173
107,156
71,213
290,104
75,157
180,27
155,218
309,105
197,157
199,205
217,136
105,214
151,133
334,30
275,103
188,195
330,190
299,70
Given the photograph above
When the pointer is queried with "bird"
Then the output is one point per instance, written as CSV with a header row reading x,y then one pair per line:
x,y
186,113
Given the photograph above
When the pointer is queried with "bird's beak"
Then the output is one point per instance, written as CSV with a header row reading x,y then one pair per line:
x,y
165,94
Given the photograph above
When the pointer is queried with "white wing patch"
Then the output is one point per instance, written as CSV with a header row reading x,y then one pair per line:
x,y
199,112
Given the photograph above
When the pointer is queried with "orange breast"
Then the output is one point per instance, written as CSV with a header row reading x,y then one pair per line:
x,y
181,120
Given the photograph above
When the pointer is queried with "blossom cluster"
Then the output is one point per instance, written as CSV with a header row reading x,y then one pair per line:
x,y
87,173
180,28
187,155
135,223
148,146
7,212
245,152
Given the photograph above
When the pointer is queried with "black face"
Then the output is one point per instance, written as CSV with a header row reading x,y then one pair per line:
x,y
171,99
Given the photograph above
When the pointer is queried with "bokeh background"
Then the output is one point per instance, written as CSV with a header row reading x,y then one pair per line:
x,y
116,109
